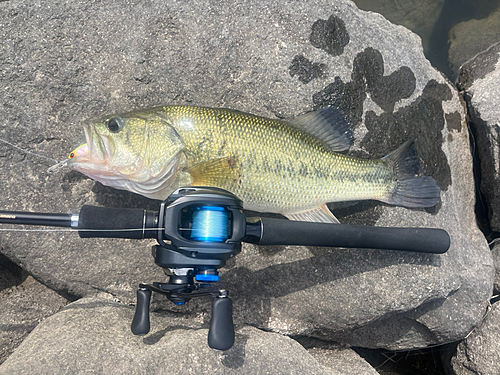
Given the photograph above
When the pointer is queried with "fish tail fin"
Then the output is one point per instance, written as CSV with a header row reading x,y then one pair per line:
x,y
408,188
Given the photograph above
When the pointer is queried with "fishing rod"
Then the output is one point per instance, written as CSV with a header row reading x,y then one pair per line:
x,y
199,228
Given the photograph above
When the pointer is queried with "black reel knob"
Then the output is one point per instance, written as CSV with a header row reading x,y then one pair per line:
x,y
140,323
221,331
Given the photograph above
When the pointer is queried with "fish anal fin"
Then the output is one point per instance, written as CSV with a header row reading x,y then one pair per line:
x,y
321,214
327,125
212,172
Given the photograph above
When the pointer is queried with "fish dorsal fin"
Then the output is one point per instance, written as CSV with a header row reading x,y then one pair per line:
x,y
328,125
321,214
213,172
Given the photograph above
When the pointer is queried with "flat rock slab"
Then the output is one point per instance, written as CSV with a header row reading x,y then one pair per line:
x,y
64,63
93,335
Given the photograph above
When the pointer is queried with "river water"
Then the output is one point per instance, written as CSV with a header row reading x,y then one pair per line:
x,y
452,31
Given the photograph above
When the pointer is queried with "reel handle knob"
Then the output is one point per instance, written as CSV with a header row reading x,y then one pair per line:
x,y
221,331
140,323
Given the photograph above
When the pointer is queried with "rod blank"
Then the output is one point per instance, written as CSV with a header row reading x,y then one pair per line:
x,y
35,218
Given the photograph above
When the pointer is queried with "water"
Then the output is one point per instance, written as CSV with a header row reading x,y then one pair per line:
x,y
433,20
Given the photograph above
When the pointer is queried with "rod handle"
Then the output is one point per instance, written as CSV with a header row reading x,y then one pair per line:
x,y
288,232
105,222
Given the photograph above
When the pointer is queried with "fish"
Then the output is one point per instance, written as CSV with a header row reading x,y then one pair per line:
x,y
290,167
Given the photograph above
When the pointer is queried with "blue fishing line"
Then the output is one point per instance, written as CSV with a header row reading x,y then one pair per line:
x,y
209,224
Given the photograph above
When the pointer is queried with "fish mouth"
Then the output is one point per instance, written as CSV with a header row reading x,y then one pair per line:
x,y
100,147
96,156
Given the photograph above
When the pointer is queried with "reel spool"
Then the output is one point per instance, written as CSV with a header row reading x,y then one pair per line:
x,y
210,224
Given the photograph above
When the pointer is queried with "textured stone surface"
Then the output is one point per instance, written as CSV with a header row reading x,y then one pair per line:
x,y
479,354
24,302
65,62
418,16
495,253
89,329
469,38
480,79
342,361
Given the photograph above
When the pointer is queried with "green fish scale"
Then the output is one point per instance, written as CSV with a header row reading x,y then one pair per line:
x,y
277,167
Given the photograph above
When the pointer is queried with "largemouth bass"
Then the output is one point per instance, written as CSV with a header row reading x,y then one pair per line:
x,y
287,167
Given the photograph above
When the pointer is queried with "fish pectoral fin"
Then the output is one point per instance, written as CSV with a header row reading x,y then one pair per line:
x,y
327,125
321,214
212,172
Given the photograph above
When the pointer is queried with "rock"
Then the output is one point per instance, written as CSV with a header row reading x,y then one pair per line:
x,y
64,63
479,80
24,302
480,353
11,274
342,361
470,38
420,17
90,329
336,357
495,252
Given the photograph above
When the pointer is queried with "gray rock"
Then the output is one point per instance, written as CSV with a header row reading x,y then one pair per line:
x,y
479,354
420,16
479,79
93,335
342,361
63,63
495,253
10,274
24,302
468,39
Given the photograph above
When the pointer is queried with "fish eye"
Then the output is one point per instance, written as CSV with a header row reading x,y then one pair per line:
x,y
114,124
71,156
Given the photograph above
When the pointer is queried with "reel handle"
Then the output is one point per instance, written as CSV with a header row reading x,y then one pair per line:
x,y
221,331
140,324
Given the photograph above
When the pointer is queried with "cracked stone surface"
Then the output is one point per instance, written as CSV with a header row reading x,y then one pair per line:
x,y
479,78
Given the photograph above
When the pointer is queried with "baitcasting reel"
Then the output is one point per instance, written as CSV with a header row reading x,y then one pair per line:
x,y
199,228
205,227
